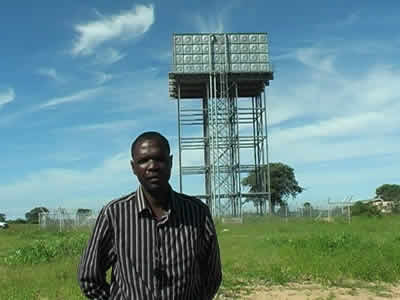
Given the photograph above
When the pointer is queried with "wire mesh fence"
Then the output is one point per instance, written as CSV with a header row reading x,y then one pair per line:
x,y
63,219
330,212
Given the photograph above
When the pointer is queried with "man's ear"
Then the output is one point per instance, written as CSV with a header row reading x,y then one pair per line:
x,y
133,166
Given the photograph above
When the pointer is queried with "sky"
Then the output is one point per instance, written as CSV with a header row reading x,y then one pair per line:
x,y
79,80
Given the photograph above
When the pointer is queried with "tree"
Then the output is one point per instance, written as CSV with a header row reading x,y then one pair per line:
x,y
33,215
17,221
396,208
83,211
283,210
364,209
283,184
389,192
2,217
307,209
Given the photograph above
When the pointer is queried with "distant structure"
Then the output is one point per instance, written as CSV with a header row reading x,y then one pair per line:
x,y
383,206
219,80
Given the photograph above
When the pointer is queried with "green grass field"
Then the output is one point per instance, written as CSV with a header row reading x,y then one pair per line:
x,y
38,264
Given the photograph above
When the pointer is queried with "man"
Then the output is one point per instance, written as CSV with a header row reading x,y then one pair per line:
x,y
160,244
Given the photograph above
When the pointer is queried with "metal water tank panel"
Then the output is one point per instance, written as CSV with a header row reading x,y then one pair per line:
x,y
253,58
245,67
188,59
253,48
262,48
179,49
178,39
188,69
197,59
235,58
219,38
197,39
218,67
263,67
254,68
179,59
235,67
188,49
198,68
197,49
187,39
253,38
244,58
235,48
244,38
234,38
205,39
263,58
244,48
218,58
262,37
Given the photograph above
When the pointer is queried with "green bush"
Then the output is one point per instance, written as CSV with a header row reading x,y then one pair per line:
x,y
365,209
45,250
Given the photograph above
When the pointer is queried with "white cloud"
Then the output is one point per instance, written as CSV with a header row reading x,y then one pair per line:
x,y
79,96
50,73
7,96
325,91
315,150
108,56
126,25
214,20
209,23
315,59
114,125
102,77
363,123
71,188
329,114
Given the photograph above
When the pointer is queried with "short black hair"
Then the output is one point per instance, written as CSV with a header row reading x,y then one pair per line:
x,y
150,135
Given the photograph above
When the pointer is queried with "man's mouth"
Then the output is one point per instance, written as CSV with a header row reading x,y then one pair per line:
x,y
153,178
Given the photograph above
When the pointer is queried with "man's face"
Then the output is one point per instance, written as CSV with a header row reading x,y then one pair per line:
x,y
152,165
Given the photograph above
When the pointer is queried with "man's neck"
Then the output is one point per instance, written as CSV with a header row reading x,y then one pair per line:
x,y
158,201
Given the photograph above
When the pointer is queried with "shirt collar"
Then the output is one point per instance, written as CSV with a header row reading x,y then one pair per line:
x,y
141,201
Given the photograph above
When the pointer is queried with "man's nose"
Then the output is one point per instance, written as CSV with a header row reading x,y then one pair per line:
x,y
153,164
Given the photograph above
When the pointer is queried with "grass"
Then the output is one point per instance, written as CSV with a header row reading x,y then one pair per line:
x,y
269,251
37,264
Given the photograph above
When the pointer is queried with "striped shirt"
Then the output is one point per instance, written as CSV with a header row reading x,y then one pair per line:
x,y
175,258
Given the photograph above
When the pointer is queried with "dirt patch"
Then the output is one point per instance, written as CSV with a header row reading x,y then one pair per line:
x,y
318,292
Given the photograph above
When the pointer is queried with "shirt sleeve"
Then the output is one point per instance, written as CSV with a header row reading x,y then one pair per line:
x,y
210,263
97,259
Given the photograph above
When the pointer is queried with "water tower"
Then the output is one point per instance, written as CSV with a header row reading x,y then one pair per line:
x,y
219,80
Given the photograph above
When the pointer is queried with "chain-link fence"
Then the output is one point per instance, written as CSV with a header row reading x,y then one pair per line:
x,y
66,219
337,211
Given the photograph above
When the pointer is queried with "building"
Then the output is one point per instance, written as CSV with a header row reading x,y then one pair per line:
x,y
384,206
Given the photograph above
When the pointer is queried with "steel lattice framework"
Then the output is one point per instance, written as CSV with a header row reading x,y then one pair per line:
x,y
228,72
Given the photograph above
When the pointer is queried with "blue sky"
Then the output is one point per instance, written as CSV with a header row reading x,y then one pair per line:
x,y
79,80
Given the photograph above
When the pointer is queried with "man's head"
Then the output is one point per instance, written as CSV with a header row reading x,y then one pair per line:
x,y
151,161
